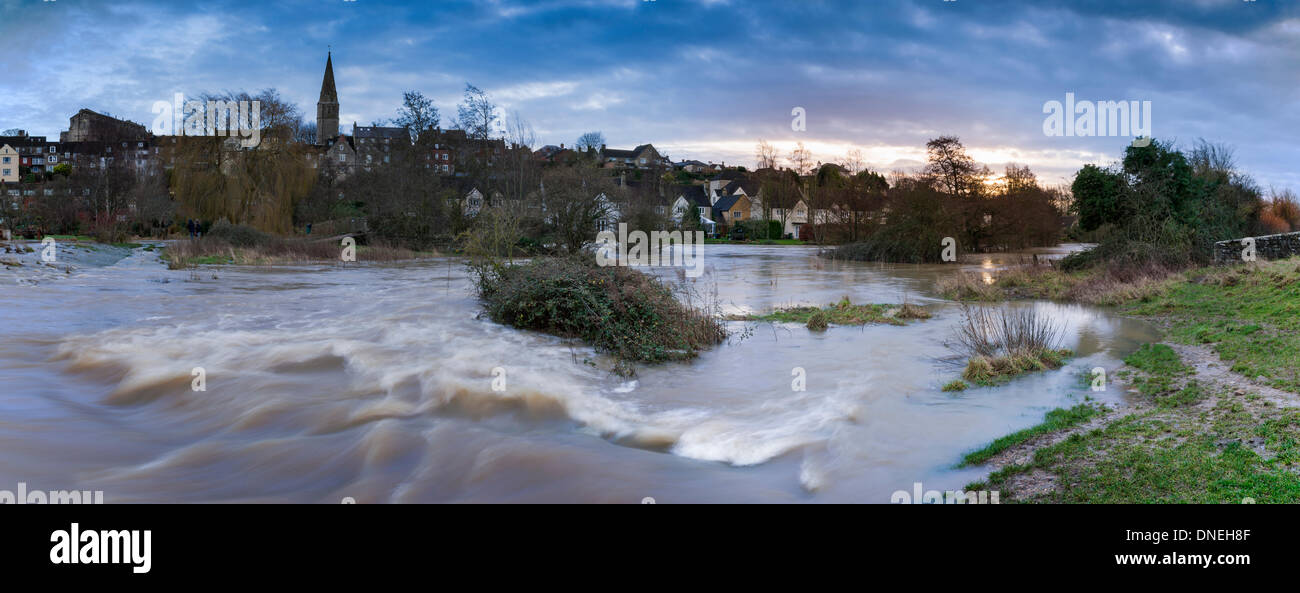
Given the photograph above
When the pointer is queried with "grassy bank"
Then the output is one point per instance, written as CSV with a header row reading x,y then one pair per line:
x,y
842,313
1214,416
1093,287
1249,314
244,246
1058,419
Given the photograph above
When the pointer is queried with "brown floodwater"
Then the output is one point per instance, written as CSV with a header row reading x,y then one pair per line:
x,y
376,383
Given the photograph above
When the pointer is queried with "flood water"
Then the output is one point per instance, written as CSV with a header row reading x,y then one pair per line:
x,y
375,382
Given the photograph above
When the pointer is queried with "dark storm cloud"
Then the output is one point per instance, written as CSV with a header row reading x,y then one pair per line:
x,y
702,79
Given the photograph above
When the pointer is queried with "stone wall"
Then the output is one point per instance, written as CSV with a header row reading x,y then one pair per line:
x,y
1266,247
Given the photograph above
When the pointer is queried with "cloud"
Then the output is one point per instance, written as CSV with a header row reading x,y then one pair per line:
x,y
701,79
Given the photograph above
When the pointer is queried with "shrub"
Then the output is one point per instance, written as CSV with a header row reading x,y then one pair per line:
x,y
955,385
238,235
819,321
616,309
1005,342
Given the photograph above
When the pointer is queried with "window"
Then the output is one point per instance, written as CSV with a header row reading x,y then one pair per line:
x,y
51,150
8,172
6,161
343,158
139,144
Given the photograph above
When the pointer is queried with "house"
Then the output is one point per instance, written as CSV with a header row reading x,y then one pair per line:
x,y
795,221
89,126
731,210
555,154
337,158
715,186
642,157
8,164
693,197
694,166
473,203
374,144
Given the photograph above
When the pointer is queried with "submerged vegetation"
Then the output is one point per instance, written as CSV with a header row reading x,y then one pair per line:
x,y
618,310
842,313
1003,343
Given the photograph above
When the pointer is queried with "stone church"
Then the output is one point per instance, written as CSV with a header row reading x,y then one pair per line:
x,y
340,154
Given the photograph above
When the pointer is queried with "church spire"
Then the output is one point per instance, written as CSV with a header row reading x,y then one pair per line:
x,y
327,108
328,94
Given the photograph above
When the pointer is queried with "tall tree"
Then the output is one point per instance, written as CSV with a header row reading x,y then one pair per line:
x,y
801,159
417,114
766,155
955,171
590,141
477,114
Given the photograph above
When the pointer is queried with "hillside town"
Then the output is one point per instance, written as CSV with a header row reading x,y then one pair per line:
x,y
413,181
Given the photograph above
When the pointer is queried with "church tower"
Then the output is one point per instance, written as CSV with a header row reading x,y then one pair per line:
x,y
327,108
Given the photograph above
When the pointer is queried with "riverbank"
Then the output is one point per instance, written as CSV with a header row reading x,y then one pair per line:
x,y
1211,413
26,262
189,253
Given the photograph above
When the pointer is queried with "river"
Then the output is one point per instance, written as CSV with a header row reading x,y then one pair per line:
x,y
375,383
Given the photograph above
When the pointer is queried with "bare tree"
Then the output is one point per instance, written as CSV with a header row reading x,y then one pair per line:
x,y
417,114
1019,179
519,170
766,155
855,162
590,141
477,115
801,159
576,202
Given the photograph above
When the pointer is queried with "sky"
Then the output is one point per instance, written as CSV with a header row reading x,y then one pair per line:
x,y
701,79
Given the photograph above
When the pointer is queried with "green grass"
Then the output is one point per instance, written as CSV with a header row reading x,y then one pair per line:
x,y
841,313
69,237
1183,450
1161,366
1249,314
1054,420
1174,456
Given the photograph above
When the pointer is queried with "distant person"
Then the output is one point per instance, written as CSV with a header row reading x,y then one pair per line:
x,y
309,228
189,225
